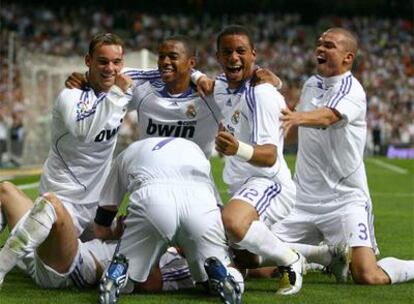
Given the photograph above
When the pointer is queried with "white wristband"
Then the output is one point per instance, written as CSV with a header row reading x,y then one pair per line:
x,y
117,90
195,76
245,151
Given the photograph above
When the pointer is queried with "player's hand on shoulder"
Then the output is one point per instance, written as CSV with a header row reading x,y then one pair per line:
x,y
205,86
226,143
123,82
76,81
263,75
289,119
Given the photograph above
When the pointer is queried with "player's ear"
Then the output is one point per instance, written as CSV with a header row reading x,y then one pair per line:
x,y
192,61
349,58
88,60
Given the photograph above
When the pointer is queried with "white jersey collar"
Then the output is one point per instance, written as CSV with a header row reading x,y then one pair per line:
x,y
331,81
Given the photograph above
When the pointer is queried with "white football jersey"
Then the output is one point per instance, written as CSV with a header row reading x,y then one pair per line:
x,y
156,160
252,116
330,163
183,115
84,134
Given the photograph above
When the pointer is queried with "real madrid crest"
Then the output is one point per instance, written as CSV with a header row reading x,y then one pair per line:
x,y
191,111
235,118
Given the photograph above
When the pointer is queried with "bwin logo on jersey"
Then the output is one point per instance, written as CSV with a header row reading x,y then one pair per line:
x,y
184,129
191,111
235,118
106,134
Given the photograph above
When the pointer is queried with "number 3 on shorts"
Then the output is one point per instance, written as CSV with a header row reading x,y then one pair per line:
x,y
363,235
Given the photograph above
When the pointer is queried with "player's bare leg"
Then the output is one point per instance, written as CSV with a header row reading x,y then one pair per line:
x,y
28,235
60,247
14,203
367,270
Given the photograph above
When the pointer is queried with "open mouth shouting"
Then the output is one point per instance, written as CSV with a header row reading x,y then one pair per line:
x,y
234,70
321,59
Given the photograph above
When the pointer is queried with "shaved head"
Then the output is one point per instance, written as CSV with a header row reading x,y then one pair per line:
x,y
348,41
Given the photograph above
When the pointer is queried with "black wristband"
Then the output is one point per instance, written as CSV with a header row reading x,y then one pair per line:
x,y
104,217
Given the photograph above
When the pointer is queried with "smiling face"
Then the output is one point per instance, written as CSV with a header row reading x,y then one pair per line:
x,y
175,64
335,52
104,64
237,58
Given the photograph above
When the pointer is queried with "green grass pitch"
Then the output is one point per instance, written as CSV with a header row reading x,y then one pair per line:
x,y
393,196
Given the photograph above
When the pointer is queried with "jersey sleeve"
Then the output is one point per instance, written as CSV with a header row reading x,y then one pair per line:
x,y
348,100
140,76
84,114
264,102
115,186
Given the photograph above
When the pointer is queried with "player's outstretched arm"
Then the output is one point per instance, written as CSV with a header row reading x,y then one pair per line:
x,y
320,118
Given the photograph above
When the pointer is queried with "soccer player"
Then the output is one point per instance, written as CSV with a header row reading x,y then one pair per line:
x,y
171,203
84,127
259,180
333,201
170,106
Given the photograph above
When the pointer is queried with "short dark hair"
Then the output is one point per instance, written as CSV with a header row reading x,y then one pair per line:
x,y
186,41
235,29
105,39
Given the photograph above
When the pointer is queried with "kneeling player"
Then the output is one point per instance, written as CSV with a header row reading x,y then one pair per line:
x,y
171,203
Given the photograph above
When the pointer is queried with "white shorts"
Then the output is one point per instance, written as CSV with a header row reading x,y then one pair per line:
x,y
165,215
83,216
272,201
82,272
334,222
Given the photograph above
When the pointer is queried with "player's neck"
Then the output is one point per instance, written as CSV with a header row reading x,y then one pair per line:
x,y
177,87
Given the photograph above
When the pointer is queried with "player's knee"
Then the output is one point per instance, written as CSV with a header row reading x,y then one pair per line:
x,y
6,188
52,199
236,226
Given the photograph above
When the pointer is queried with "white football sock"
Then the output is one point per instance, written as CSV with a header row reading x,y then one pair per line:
x,y
397,270
313,254
28,235
261,241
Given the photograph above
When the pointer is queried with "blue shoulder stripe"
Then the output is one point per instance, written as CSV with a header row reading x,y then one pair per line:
x,y
344,90
251,103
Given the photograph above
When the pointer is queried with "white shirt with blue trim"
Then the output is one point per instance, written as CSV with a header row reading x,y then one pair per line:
x,y
252,115
330,164
84,134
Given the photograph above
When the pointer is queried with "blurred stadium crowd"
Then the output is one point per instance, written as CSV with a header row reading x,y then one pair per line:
x,y
285,44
